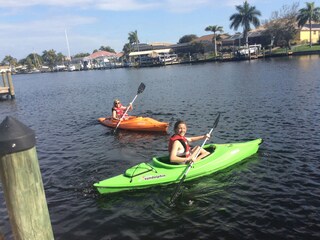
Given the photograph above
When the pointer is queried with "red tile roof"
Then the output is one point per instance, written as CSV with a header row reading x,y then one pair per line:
x,y
102,54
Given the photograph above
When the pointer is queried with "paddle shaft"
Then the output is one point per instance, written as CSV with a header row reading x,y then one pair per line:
x,y
191,163
140,90
125,113
204,142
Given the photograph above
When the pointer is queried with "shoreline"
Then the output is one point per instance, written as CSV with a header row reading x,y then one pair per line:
x,y
218,59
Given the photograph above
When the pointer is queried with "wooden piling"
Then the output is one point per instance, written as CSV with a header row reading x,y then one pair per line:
x,y
22,182
11,88
3,75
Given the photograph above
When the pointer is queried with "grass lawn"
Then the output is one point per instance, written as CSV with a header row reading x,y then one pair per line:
x,y
304,48
301,48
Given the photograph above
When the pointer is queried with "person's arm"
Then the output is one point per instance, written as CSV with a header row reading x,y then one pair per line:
x,y
114,114
173,154
197,138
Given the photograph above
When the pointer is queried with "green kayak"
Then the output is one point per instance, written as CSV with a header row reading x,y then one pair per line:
x,y
161,172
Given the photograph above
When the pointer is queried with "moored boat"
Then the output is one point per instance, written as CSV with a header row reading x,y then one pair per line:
x,y
160,172
135,123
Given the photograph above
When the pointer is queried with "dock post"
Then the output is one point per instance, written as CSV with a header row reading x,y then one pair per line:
x,y
22,182
11,88
4,79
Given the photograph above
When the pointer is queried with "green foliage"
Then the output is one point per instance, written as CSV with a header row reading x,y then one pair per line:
x,y
214,29
308,14
282,26
133,37
9,60
49,58
187,38
306,48
107,48
81,55
245,16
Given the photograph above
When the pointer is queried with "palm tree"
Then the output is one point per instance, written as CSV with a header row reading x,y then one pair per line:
x,y
9,60
308,14
133,39
214,29
49,58
246,16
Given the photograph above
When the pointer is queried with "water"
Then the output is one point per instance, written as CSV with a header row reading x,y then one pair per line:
x,y
273,194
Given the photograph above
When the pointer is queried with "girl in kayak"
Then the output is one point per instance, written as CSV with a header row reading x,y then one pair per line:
x,y
118,110
179,148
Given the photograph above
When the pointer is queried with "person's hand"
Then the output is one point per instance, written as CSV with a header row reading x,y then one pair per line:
x,y
189,159
207,136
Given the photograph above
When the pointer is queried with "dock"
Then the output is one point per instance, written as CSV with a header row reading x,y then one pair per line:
x,y
7,89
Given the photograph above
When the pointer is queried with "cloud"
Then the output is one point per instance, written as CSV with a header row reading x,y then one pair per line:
x,y
126,5
30,3
115,5
48,25
112,5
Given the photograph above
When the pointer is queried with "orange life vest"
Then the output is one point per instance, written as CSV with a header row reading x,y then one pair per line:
x,y
119,111
183,141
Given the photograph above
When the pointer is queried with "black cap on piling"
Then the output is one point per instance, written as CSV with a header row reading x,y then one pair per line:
x,y
15,136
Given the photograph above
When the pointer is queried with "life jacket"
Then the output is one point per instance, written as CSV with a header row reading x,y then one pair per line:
x,y
183,141
119,111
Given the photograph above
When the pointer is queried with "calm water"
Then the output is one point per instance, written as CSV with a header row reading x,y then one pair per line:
x,y
274,194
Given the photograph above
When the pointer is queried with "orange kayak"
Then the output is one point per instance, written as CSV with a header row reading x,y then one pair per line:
x,y
136,124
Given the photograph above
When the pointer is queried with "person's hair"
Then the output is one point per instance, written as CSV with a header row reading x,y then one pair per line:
x,y
115,101
178,123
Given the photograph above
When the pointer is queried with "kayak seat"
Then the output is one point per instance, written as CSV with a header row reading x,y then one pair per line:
x,y
165,159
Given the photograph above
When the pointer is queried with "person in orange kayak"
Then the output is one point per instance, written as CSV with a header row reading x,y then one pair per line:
x,y
118,109
179,148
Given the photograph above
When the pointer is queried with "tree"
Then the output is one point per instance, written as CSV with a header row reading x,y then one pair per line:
x,y
49,58
187,38
81,55
107,48
308,14
126,50
246,16
9,60
60,58
134,39
214,29
281,29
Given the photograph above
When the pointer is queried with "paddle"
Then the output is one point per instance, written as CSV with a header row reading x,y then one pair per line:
x,y
140,90
175,194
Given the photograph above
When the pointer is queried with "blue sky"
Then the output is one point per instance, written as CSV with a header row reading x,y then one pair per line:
x,y
28,26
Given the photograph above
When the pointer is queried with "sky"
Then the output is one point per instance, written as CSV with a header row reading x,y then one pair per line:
x,y
33,26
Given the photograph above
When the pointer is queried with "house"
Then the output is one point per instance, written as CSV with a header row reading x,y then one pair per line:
x,y
304,33
101,59
153,57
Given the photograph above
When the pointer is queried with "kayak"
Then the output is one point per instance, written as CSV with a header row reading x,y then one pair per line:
x,y
161,172
136,124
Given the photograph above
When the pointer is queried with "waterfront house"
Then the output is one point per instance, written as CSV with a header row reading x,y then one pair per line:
x,y
101,60
304,33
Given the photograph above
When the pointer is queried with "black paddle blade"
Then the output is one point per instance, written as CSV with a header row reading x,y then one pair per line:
x,y
216,121
141,88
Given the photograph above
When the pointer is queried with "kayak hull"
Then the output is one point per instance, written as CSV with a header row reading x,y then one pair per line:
x,y
160,172
135,123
